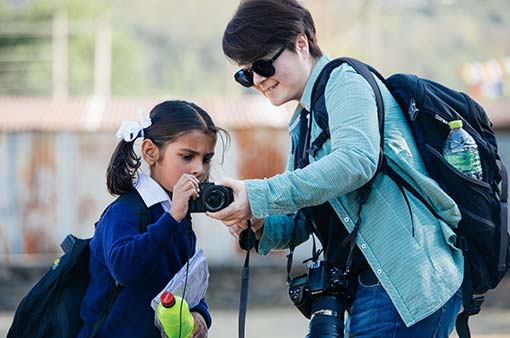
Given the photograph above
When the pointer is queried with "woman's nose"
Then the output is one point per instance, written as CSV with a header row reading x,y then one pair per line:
x,y
258,79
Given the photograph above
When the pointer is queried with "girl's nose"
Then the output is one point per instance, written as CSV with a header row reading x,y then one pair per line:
x,y
198,170
258,79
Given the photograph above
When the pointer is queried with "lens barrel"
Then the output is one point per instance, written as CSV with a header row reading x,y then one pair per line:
x,y
328,318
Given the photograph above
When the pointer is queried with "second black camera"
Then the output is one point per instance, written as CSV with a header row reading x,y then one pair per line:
x,y
322,279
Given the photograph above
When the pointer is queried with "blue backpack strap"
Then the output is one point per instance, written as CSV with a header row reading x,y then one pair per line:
x,y
143,214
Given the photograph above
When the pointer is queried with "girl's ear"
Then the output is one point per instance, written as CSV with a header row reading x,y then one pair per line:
x,y
150,152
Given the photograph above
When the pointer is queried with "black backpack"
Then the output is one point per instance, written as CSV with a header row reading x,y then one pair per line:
x,y
428,107
51,309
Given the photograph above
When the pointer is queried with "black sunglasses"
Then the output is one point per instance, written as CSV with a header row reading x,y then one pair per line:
x,y
263,67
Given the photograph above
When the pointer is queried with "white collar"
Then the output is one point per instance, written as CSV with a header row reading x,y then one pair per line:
x,y
151,192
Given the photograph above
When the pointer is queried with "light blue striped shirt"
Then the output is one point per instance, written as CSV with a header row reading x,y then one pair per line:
x,y
419,268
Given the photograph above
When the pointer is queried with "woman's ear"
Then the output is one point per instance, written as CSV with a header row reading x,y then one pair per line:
x,y
301,44
150,152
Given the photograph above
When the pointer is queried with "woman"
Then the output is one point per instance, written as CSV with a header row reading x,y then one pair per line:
x,y
408,270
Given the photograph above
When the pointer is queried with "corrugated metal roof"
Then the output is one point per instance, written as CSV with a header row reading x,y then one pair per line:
x,y
92,113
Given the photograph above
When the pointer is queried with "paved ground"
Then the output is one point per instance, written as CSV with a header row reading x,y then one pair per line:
x,y
270,314
288,323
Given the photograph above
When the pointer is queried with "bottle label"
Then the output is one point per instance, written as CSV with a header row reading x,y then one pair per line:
x,y
467,162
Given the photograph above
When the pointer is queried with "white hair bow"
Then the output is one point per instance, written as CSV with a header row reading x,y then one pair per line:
x,y
130,130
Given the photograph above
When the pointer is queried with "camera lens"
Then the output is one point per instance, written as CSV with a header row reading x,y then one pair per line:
x,y
215,200
325,327
330,323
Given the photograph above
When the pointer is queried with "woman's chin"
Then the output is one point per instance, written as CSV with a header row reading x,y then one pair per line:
x,y
276,100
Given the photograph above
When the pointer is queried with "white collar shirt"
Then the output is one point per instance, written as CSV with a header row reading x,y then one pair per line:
x,y
151,192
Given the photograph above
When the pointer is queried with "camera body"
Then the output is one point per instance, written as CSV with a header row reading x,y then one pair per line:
x,y
321,280
212,198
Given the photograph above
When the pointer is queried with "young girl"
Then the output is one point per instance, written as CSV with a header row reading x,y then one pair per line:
x,y
178,144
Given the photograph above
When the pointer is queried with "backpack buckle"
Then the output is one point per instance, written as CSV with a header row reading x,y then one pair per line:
x,y
312,150
412,110
68,243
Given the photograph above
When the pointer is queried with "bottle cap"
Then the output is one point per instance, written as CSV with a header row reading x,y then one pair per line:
x,y
167,299
455,124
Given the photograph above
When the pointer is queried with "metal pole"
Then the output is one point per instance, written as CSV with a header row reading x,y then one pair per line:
x,y
60,58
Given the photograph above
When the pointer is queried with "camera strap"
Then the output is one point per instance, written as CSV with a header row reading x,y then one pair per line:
x,y
350,240
315,253
247,242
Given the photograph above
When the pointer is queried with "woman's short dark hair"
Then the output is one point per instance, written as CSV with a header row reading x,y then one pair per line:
x,y
170,119
260,27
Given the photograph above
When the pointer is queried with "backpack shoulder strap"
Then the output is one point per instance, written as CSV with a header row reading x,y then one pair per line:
x,y
318,101
318,109
320,114
143,213
133,199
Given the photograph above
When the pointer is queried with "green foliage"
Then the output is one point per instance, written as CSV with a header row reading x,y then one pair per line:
x,y
432,38
26,45
173,47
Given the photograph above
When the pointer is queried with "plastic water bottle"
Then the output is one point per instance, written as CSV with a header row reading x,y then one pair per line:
x,y
461,151
175,324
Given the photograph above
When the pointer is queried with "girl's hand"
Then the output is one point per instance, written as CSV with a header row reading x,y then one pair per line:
x,y
200,329
237,212
185,188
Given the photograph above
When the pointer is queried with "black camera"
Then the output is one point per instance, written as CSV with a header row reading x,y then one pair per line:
x,y
211,197
321,295
321,279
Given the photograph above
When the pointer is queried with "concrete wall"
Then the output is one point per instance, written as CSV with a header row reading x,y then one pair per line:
x,y
52,184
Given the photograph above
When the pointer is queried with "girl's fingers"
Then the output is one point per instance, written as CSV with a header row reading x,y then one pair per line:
x,y
193,193
187,183
194,181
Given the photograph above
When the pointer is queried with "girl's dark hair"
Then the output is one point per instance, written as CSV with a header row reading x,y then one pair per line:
x,y
170,119
260,27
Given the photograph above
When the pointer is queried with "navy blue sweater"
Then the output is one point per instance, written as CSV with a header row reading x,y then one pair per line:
x,y
142,262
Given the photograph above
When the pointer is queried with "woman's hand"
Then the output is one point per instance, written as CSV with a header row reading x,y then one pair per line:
x,y
185,188
239,210
200,329
256,224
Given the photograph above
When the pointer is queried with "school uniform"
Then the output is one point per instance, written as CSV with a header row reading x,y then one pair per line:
x,y
141,262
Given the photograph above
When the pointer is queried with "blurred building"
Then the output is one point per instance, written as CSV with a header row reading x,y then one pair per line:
x,y
54,155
